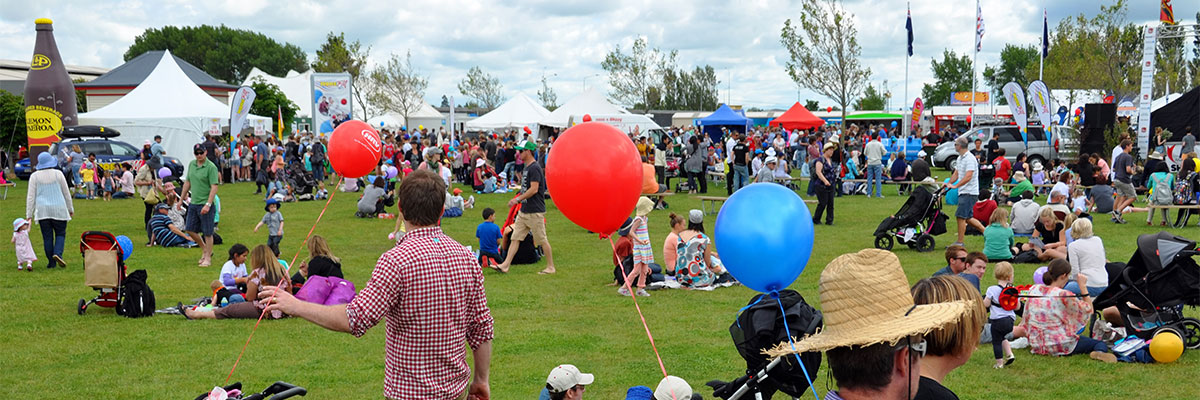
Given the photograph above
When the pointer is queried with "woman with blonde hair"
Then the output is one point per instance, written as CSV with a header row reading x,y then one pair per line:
x,y
951,346
266,271
1086,254
321,261
1048,231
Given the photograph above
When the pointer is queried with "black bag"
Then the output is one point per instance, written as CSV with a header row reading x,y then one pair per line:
x,y
939,224
760,327
527,253
136,300
1025,257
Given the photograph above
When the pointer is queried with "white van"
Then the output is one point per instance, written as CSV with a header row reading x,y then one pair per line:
x,y
627,123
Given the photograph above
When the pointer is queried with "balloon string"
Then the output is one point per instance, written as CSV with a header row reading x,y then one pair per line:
x,y
632,295
280,284
788,332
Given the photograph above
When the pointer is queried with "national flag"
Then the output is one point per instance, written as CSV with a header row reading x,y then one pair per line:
x,y
280,108
978,27
908,26
1045,35
1167,15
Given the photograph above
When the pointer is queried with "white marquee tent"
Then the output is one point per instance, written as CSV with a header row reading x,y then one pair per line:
x,y
169,104
296,86
426,116
589,102
519,111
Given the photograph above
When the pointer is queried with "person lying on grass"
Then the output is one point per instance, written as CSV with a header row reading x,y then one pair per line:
x,y
266,270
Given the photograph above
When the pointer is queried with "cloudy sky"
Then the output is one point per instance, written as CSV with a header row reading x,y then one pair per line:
x,y
567,39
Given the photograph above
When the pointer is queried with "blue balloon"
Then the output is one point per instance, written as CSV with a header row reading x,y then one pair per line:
x,y
126,247
765,254
893,124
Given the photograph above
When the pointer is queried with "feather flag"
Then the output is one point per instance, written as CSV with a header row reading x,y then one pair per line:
x,y
1045,35
280,108
978,27
1016,104
908,26
1167,15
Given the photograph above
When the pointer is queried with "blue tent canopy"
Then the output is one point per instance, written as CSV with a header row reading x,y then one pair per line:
x,y
723,117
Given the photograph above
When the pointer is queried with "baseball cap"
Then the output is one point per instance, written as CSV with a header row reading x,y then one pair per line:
x,y
566,376
197,149
526,145
673,388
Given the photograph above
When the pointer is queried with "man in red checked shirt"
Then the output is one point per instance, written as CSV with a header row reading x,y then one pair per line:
x,y
431,291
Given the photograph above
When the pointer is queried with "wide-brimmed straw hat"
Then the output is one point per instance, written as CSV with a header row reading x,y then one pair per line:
x,y
866,301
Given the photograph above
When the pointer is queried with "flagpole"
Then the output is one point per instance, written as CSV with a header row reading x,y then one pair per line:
x,y
904,104
973,60
1042,57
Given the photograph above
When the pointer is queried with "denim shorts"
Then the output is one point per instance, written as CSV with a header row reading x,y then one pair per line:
x,y
966,206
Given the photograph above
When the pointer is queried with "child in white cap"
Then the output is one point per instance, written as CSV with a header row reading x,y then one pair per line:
x,y
673,388
567,383
24,249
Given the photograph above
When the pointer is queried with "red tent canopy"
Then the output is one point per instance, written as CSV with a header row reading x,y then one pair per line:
x,y
798,117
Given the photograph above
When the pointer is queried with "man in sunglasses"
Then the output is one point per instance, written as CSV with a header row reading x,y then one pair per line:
x,y
200,184
872,336
956,261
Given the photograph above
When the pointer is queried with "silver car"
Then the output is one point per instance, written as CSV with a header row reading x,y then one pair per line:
x,y
1038,149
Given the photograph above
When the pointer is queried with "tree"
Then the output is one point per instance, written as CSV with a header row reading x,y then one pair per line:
x,y
637,77
397,86
80,96
483,87
1194,64
445,101
225,53
811,105
12,121
338,55
547,96
269,100
823,52
871,100
1101,52
695,90
1014,64
953,74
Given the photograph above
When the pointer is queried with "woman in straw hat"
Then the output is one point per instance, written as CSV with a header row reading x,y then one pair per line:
x,y
874,335
951,346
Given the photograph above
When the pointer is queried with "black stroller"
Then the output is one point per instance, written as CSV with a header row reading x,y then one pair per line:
x,y
1151,291
761,327
277,391
302,181
916,223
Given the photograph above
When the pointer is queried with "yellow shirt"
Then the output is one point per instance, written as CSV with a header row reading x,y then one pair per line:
x,y
88,174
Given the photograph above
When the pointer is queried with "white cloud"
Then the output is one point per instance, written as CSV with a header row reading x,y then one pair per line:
x,y
516,40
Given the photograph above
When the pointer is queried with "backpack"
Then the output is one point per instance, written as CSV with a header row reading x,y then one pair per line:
x,y
136,300
760,326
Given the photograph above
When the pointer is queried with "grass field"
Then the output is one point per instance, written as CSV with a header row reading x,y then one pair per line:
x,y
541,321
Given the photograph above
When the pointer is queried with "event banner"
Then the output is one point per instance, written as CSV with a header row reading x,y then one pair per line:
x,y
212,126
49,93
917,108
1144,100
964,98
1016,104
1039,98
239,109
332,103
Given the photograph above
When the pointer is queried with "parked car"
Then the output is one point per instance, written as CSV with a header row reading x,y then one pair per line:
x,y
1038,148
95,139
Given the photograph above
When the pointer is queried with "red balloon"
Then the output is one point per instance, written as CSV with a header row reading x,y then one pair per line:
x,y
587,117
354,149
594,174
968,119
527,130
828,109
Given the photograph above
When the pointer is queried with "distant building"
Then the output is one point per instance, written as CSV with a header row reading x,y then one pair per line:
x,y
115,84
12,74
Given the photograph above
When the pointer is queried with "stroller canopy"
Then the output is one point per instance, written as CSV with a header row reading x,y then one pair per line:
x,y
1160,249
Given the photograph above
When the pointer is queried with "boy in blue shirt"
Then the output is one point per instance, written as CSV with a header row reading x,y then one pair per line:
x,y
489,239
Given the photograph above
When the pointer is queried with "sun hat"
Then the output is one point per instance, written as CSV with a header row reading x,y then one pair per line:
x,y
830,145
644,206
1019,176
866,301
695,216
271,201
770,159
46,161
479,163
1037,166
566,376
771,152
18,223
628,225
146,144
672,388
1156,155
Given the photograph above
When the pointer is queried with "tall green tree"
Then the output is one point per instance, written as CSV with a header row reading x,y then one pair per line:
x,y
695,90
823,52
12,121
1014,64
397,86
269,100
339,55
871,100
483,87
1097,52
547,95
225,53
636,77
811,105
952,74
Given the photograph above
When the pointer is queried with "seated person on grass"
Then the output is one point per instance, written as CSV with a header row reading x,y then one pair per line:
x,y
1048,240
233,274
998,237
1023,185
1025,214
1101,196
982,210
266,271
165,232
454,204
372,201
489,239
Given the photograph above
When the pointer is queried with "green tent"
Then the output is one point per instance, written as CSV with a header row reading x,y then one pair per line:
x,y
872,116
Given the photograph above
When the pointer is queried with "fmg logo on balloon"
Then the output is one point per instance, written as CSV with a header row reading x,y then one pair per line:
x,y
370,140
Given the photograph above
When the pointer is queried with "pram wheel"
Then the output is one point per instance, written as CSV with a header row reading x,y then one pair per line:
x,y
82,306
1191,332
884,242
925,243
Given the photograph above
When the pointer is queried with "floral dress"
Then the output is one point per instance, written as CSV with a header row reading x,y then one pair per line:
x,y
1052,321
691,269
642,253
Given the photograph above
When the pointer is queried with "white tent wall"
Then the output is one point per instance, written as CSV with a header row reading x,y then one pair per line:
x,y
296,86
589,102
518,112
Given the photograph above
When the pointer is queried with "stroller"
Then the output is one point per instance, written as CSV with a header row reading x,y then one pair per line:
x,y
916,223
302,182
761,327
1151,291
103,269
277,391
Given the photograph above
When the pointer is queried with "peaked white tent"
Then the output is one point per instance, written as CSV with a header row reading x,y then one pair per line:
x,y
517,112
426,115
166,103
296,86
589,102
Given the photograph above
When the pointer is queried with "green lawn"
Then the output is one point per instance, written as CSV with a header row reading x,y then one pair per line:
x,y
541,321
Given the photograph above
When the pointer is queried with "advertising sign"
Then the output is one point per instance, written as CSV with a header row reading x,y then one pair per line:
x,y
964,98
332,102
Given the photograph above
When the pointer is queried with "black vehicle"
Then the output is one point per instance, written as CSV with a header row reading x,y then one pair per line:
x,y
97,139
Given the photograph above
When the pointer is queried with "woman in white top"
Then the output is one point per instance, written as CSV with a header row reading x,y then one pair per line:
x,y
49,203
1086,254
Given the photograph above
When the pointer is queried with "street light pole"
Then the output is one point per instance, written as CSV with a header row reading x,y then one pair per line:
x,y
586,78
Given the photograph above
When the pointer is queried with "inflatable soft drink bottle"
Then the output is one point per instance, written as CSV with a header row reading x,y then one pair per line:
x,y
49,92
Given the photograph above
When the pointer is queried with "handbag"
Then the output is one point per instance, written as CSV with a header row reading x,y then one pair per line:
x,y
151,197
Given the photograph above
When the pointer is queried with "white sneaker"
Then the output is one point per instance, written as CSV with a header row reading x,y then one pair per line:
x,y
624,291
643,293
1020,343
